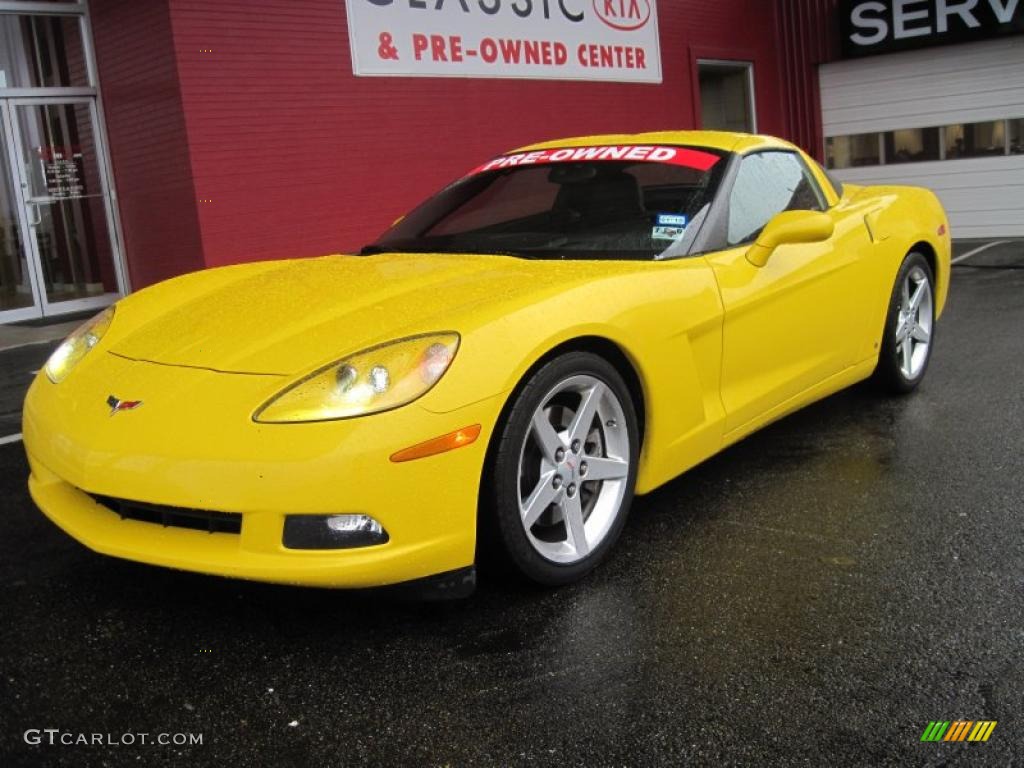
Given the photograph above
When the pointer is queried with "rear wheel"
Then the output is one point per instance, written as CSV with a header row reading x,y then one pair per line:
x,y
563,472
909,327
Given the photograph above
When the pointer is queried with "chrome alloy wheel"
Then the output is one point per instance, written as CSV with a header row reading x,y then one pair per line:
x,y
573,469
914,323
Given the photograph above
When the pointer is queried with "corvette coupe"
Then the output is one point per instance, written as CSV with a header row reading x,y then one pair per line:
x,y
496,376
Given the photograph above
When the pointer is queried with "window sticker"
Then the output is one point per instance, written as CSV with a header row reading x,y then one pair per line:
x,y
669,226
671,220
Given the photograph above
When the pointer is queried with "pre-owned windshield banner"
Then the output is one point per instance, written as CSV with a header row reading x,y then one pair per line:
x,y
688,158
610,40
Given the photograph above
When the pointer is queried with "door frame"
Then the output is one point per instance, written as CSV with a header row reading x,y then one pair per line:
x,y
80,10
35,310
46,308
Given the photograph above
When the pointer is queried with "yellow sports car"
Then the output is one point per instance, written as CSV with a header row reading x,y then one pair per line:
x,y
494,378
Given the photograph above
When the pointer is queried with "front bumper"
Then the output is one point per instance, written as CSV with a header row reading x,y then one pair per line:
x,y
193,444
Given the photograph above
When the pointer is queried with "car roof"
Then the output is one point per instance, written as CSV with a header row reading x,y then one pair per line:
x,y
725,141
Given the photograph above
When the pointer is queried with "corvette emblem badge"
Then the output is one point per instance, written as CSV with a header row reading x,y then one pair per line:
x,y
117,405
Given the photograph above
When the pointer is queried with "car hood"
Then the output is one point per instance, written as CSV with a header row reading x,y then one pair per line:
x,y
285,317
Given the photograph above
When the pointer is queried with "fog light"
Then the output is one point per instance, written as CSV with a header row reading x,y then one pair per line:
x,y
332,531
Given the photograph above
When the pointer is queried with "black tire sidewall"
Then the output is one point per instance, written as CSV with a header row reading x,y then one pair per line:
x,y
888,373
501,495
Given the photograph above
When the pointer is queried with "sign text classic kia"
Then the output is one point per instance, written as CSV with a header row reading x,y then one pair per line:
x,y
596,40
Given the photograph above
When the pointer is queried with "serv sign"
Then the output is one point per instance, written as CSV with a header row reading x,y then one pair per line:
x,y
609,40
887,26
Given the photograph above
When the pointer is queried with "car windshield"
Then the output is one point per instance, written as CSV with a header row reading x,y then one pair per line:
x,y
568,203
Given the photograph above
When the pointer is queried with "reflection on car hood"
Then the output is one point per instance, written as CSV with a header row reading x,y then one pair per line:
x,y
287,316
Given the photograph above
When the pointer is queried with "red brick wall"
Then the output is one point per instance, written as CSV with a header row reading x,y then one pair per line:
x,y
808,31
300,158
290,155
149,150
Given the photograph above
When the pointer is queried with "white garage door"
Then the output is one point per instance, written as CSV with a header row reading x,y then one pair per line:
x,y
948,118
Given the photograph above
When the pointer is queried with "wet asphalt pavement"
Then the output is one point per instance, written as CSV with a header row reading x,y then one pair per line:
x,y
813,596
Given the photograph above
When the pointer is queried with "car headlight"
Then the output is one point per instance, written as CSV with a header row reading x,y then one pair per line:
x,y
377,379
77,345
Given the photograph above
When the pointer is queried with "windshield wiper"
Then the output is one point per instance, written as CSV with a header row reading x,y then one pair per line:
x,y
375,248
489,252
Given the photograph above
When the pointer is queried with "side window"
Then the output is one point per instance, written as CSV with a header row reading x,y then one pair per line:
x,y
767,184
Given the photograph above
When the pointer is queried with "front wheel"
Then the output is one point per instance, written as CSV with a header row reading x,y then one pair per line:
x,y
909,327
562,475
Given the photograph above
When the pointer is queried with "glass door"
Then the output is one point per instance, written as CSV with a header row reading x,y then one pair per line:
x,y
19,294
65,201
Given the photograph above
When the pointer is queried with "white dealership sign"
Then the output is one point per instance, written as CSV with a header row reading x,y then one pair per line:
x,y
609,40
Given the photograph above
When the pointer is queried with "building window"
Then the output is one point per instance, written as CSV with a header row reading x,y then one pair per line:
x,y
42,52
976,139
1017,136
913,145
853,151
727,96
992,138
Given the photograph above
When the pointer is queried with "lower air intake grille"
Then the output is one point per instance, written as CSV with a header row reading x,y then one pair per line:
x,y
173,517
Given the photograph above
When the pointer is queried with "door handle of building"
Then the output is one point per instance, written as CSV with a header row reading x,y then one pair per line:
x,y
35,216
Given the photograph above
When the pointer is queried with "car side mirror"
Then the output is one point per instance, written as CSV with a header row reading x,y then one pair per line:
x,y
788,228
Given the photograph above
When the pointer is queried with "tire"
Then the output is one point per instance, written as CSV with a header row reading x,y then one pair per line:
x,y
900,371
543,518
